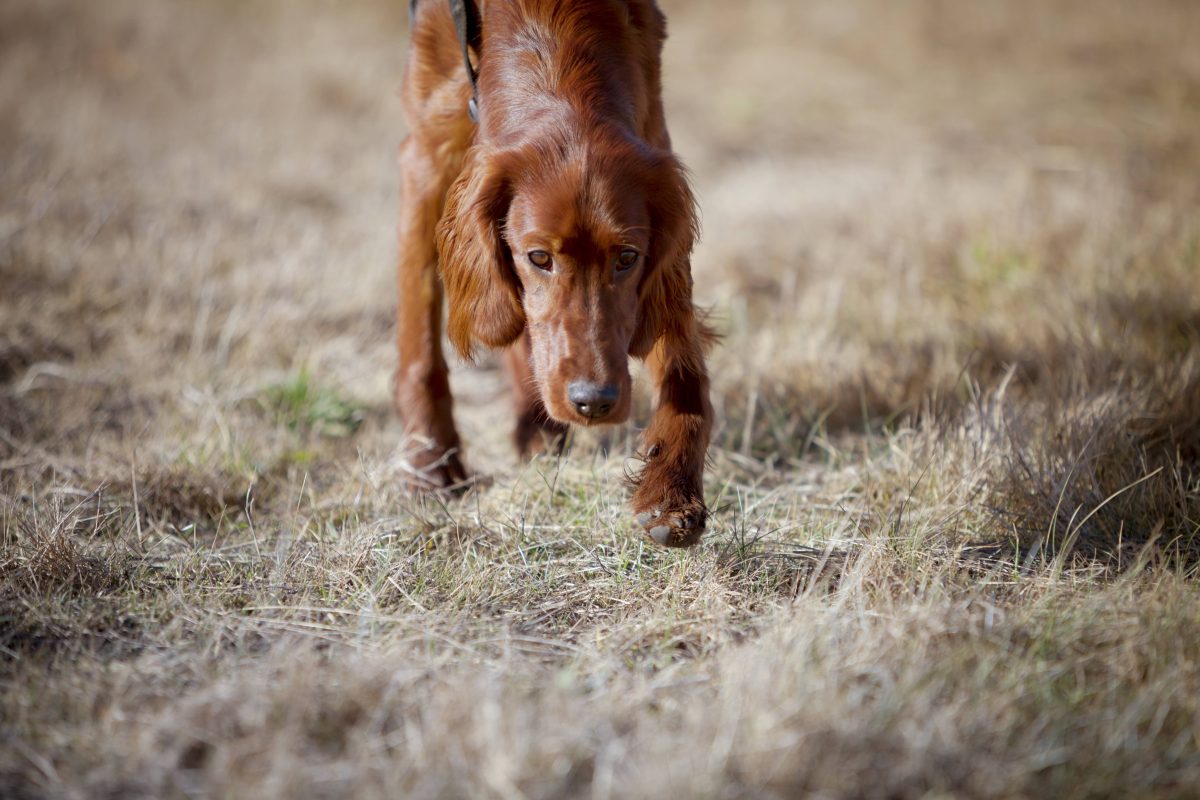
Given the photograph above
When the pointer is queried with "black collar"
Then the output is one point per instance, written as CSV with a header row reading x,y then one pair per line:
x,y
470,34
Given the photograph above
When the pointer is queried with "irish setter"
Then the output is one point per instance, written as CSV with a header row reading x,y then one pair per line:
x,y
563,226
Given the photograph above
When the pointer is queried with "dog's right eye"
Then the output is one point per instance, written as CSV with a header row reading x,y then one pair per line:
x,y
539,258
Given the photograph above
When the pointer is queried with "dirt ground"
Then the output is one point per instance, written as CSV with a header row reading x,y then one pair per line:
x,y
954,252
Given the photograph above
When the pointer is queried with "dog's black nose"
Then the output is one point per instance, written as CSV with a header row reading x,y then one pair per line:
x,y
593,400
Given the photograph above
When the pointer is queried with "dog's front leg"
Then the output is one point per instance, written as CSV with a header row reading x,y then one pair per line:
x,y
422,385
669,500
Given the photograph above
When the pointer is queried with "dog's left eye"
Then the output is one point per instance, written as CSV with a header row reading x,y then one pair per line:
x,y
539,258
627,258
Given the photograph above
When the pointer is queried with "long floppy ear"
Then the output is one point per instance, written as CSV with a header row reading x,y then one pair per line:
x,y
665,291
481,285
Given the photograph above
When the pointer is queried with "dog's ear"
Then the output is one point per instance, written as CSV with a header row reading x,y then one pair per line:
x,y
476,266
665,290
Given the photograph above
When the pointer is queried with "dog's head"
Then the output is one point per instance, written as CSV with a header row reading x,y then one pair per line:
x,y
585,248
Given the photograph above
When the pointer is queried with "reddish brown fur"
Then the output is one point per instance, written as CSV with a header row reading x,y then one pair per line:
x,y
571,156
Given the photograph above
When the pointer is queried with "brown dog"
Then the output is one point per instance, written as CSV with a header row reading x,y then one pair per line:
x,y
563,226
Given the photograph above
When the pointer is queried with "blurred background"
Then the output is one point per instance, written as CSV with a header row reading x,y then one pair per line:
x,y
203,193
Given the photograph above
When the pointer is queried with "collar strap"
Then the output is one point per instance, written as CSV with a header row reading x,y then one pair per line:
x,y
470,34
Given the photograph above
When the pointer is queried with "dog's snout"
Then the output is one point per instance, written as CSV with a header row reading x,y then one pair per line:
x,y
593,400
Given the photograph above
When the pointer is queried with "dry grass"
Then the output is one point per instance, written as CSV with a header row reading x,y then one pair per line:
x,y
954,249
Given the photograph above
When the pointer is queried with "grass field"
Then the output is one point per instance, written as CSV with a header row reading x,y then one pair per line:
x,y
954,251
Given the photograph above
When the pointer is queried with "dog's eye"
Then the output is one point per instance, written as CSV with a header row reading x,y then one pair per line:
x,y
539,258
627,259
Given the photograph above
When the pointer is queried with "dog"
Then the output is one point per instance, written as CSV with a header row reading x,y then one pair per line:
x,y
538,182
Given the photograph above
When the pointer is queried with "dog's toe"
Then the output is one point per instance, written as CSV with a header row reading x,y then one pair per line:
x,y
660,534
646,517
